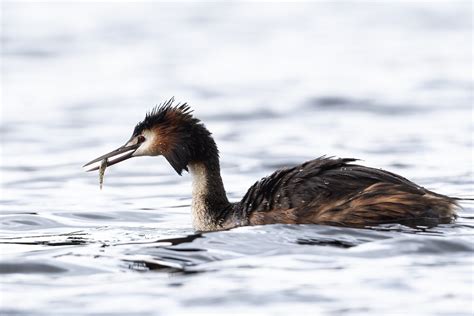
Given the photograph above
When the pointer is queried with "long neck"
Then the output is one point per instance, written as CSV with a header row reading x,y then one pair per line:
x,y
210,205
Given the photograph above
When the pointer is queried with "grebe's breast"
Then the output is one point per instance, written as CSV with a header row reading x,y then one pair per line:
x,y
337,192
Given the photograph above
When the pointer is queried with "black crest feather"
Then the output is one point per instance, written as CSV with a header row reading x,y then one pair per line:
x,y
158,114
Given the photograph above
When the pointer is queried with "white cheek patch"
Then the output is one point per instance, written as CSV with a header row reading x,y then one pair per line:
x,y
146,148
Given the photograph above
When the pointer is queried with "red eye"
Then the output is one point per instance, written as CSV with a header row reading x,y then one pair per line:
x,y
141,139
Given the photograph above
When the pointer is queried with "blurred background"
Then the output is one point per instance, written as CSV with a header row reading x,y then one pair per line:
x,y
277,83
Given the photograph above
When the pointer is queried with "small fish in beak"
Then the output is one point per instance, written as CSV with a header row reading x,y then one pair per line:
x,y
102,167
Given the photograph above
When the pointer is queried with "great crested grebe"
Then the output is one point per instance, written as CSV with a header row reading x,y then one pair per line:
x,y
321,191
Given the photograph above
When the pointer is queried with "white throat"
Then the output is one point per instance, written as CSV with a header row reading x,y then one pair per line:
x,y
200,212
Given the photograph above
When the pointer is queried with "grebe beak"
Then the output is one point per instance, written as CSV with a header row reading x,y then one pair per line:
x,y
122,153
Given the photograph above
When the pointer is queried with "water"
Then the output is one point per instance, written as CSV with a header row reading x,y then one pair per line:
x,y
277,84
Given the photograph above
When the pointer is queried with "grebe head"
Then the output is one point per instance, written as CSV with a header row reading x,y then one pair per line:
x,y
168,130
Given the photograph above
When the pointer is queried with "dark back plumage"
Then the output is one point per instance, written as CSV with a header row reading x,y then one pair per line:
x,y
338,192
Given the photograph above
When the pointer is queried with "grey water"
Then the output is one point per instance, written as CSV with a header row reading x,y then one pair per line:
x,y
277,83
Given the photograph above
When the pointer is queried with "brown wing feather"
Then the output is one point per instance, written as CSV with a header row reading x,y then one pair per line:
x,y
334,191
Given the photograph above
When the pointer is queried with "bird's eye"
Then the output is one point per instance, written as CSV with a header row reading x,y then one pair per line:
x,y
141,139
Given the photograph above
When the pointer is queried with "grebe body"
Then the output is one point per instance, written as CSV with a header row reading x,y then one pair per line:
x,y
332,191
